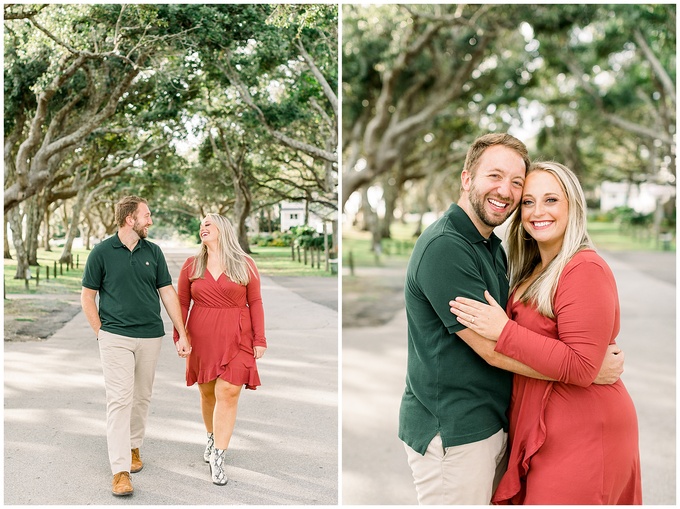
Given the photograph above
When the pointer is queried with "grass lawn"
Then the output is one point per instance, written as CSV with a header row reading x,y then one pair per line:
x,y
68,282
609,237
278,261
358,243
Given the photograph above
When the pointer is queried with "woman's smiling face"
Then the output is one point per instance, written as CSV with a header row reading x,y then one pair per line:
x,y
544,208
208,231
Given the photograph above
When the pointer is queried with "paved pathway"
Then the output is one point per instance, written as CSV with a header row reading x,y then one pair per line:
x,y
284,450
374,365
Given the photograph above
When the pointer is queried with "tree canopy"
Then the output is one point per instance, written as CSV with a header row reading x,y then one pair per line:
x,y
592,86
198,107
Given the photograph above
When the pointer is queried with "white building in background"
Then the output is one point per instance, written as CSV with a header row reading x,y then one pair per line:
x,y
642,198
293,214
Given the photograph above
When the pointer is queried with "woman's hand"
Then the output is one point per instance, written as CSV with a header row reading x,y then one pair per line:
x,y
486,320
259,351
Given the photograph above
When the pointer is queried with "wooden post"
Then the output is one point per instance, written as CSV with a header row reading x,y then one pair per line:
x,y
61,269
305,253
37,276
298,254
77,261
55,269
47,270
292,250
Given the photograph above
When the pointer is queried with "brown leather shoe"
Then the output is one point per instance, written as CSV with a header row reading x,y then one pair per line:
x,y
137,464
122,485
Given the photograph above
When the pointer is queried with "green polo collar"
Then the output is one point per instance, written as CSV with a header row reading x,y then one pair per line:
x,y
468,229
116,243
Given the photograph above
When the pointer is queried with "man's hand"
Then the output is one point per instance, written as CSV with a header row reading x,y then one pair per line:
x,y
612,366
183,346
89,305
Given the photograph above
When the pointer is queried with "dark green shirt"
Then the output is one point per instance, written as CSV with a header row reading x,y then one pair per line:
x,y
128,283
450,390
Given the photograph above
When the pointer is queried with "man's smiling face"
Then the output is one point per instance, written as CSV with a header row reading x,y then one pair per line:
x,y
496,186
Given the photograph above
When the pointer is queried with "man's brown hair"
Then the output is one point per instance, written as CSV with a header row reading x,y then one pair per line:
x,y
127,206
488,140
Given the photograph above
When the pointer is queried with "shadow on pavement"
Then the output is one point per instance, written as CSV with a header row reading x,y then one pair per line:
x,y
285,445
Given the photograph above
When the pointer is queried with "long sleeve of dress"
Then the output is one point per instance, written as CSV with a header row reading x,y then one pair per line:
x,y
586,310
184,293
254,299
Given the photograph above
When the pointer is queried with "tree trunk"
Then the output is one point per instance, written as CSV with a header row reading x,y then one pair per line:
x,y
424,205
367,211
241,209
88,237
371,223
33,220
306,223
72,231
48,231
15,218
376,238
391,193
8,255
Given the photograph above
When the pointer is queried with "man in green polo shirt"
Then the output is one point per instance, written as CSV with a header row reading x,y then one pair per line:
x,y
453,412
130,274
452,417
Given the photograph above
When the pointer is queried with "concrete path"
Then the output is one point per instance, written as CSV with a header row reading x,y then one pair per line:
x,y
374,468
285,446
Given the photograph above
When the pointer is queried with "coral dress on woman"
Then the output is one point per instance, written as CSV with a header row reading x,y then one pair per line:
x,y
571,442
225,323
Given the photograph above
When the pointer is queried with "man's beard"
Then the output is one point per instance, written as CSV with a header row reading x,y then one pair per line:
x,y
139,230
477,203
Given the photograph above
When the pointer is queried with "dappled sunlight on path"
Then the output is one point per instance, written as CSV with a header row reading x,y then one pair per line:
x,y
284,450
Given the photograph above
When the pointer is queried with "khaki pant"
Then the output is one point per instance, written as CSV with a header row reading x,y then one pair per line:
x,y
464,474
129,366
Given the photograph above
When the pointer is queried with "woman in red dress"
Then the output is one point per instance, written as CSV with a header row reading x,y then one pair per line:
x,y
226,331
571,441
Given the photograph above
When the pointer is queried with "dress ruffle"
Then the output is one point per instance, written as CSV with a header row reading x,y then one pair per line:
x,y
229,352
511,489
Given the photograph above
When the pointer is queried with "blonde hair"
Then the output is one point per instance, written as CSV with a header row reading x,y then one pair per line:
x,y
523,253
234,259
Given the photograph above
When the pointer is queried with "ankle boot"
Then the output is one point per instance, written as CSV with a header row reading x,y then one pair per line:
x,y
217,463
209,447
136,465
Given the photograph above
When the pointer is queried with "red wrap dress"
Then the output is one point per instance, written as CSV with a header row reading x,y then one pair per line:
x,y
571,442
225,322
